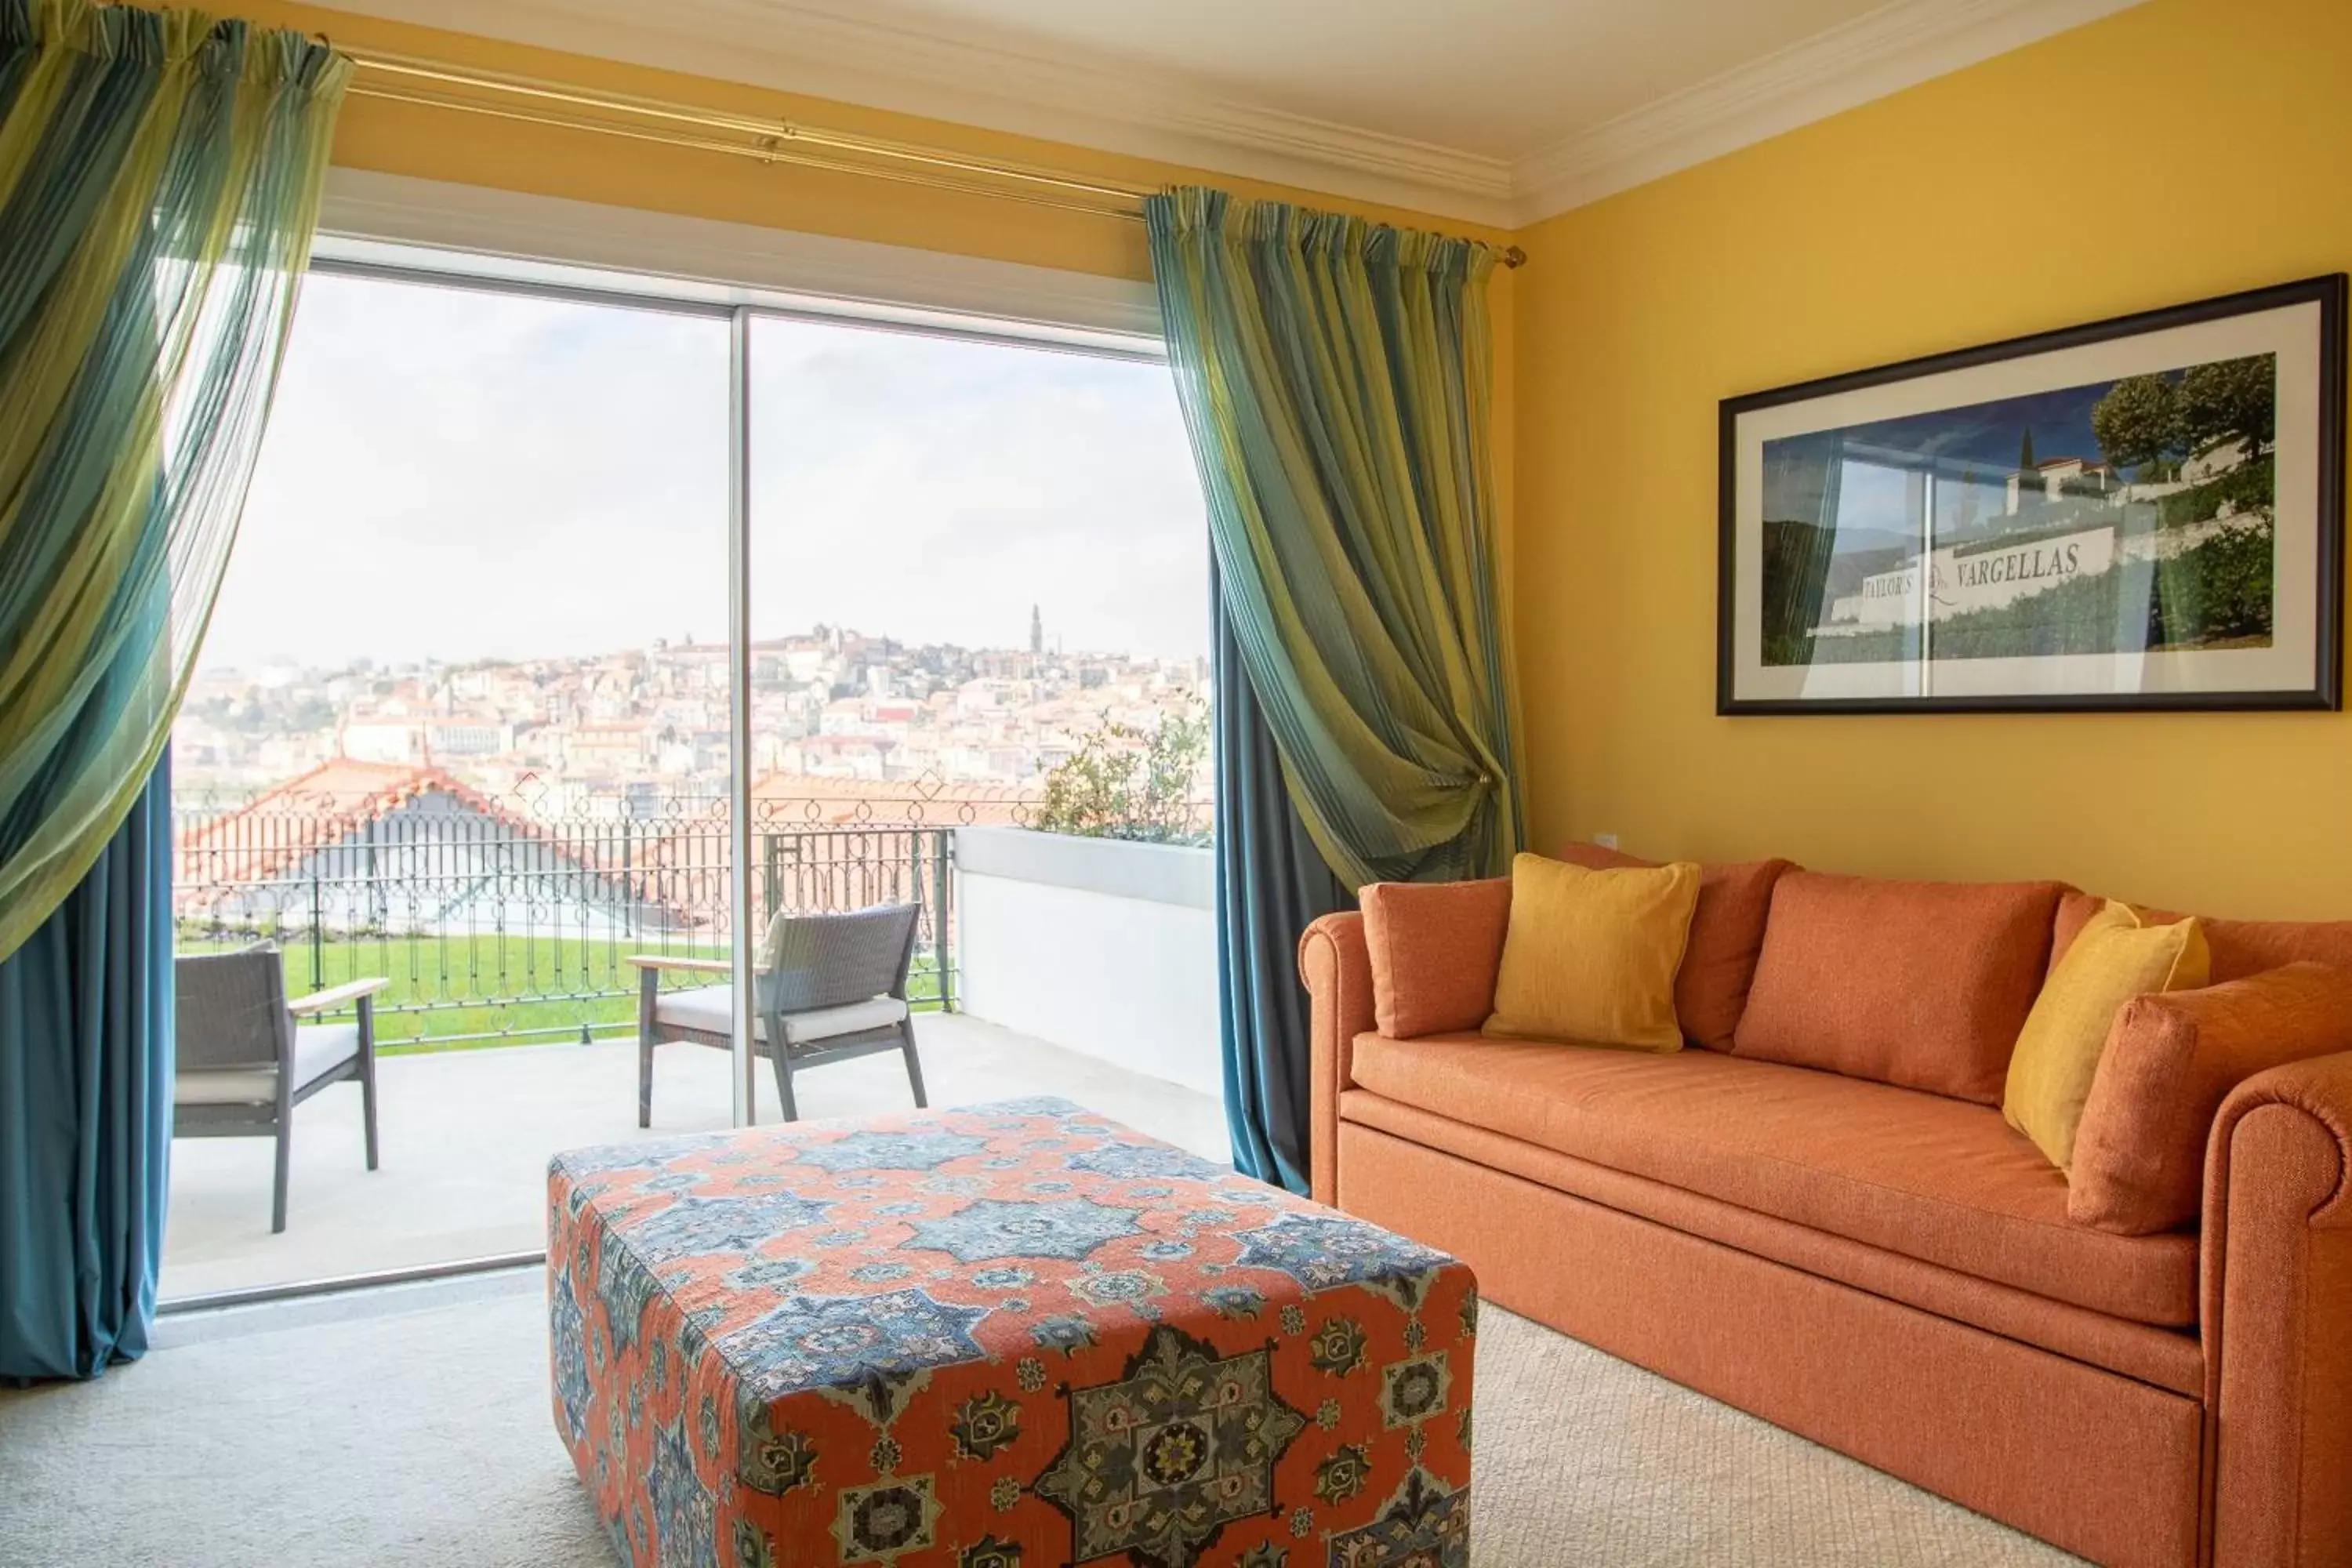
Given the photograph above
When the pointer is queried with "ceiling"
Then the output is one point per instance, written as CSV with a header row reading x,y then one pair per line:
x,y
1501,79
1499,111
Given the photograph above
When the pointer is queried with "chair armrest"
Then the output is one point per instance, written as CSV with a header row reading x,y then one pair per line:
x,y
2277,1316
656,961
335,997
1338,969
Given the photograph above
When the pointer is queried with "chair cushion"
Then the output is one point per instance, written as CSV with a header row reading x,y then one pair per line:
x,y
1928,1177
708,1009
850,1018
1726,934
319,1050
226,1086
1924,984
711,1009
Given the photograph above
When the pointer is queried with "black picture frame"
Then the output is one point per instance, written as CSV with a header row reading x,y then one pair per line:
x,y
2324,691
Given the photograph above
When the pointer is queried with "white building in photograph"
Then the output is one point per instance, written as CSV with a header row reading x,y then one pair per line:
x,y
2059,478
1960,578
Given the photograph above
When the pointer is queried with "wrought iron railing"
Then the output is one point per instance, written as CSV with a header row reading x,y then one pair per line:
x,y
508,917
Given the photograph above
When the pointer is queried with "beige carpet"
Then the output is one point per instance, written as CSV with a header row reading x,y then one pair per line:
x,y
411,1426
1583,1460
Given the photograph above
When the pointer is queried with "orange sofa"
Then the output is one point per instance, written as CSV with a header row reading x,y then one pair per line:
x,y
1887,1269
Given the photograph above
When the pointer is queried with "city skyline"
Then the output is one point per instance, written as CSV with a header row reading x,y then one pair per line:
x,y
1039,637
826,703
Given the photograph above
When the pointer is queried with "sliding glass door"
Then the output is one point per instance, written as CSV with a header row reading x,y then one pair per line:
x,y
980,609
460,726
582,648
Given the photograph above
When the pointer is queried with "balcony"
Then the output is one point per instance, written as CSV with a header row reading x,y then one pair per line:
x,y
465,1137
1083,968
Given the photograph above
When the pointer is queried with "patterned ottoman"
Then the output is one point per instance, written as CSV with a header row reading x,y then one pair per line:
x,y
1015,1335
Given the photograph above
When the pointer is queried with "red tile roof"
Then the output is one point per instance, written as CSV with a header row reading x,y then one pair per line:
x,y
679,865
275,832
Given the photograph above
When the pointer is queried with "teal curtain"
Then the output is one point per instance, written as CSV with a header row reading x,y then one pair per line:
x,y
160,178
86,1116
1272,883
1335,379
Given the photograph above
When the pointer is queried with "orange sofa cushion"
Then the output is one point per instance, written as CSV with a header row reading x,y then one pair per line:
x,y
2239,948
1924,984
1727,933
1923,1176
2167,1357
2170,1060
1435,948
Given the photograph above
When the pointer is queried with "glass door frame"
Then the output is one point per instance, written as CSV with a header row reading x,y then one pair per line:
x,y
487,270
745,1076
547,281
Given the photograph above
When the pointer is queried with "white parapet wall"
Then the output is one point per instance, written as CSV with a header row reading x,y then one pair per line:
x,y
1098,945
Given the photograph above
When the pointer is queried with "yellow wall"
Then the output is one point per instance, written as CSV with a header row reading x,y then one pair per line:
x,y
2182,149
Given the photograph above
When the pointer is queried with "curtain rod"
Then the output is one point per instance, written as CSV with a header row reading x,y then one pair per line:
x,y
401,79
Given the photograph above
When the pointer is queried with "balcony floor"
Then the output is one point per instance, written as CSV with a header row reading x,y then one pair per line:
x,y
466,1135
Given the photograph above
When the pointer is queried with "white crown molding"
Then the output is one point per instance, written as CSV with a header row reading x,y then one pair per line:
x,y
1056,93
850,56
707,261
1877,54
861,60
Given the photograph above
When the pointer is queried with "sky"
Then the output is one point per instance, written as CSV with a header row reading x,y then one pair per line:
x,y
1873,506
462,474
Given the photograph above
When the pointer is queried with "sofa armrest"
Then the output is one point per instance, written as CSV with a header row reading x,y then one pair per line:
x,y
2277,1316
1338,969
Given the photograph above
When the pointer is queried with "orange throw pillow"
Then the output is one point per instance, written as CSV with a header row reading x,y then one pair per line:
x,y
2245,948
1924,984
2170,1061
1726,934
2239,948
1435,948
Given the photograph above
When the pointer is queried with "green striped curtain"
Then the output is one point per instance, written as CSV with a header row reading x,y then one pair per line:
x,y
159,177
1337,380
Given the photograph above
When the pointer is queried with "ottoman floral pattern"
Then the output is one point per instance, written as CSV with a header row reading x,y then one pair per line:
x,y
1014,1336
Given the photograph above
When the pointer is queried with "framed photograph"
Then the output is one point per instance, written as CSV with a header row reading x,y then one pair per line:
x,y
2141,513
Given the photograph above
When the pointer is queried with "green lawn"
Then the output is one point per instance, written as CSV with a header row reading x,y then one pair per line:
x,y
455,993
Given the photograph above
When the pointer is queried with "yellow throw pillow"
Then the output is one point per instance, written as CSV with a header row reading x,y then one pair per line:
x,y
2114,959
1590,956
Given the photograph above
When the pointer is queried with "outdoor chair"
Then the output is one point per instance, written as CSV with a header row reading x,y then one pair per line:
x,y
826,988
244,1064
